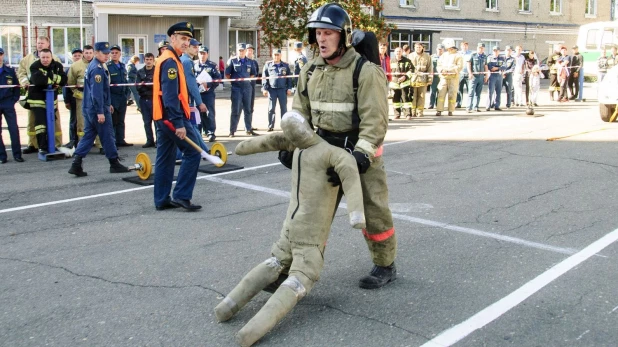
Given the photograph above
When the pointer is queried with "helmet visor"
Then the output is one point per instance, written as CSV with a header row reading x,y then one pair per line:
x,y
323,25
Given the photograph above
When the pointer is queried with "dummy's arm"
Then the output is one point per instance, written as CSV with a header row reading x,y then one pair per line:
x,y
267,143
346,168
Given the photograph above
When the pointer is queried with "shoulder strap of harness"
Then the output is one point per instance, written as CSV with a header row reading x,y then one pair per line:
x,y
359,65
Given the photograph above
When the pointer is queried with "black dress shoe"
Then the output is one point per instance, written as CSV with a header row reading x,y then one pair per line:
x,y
498,109
30,149
186,204
19,159
270,129
101,151
148,145
231,135
4,161
124,144
379,277
168,205
252,133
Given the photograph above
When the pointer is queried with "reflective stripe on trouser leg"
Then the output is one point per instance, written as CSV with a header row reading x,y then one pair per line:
x,y
397,101
379,234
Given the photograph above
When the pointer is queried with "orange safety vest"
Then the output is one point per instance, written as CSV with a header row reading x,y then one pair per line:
x,y
183,96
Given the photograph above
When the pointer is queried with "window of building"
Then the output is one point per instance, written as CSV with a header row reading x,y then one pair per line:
x,y
451,4
425,39
489,45
491,5
64,40
407,3
524,5
241,36
11,41
132,45
591,8
399,39
555,6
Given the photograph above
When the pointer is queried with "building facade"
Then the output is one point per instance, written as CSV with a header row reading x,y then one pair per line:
x,y
56,19
535,25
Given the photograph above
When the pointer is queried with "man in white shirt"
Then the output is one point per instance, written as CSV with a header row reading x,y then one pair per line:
x,y
518,76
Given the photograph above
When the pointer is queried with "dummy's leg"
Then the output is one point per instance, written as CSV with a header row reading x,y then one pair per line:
x,y
253,282
304,272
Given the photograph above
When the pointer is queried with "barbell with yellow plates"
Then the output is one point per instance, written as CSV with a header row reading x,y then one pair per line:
x,y
143,164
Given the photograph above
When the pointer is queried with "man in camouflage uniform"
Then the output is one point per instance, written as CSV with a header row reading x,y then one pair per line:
x,y
420,78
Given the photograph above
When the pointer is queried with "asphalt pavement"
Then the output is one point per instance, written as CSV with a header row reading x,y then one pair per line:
x,y
506,231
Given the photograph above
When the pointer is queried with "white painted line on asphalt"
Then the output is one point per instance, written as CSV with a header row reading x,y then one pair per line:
x,y
615,308
582,335
497,309
471,231
58,202
441,225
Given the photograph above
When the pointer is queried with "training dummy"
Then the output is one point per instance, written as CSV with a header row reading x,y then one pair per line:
x,y
300,248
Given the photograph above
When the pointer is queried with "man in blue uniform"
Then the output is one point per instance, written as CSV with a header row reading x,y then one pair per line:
x,y
8,98
118,74
300,61
477,76
240,67
276,86
507,75
250,55
495,64
96,107
171,107
433,97
207,91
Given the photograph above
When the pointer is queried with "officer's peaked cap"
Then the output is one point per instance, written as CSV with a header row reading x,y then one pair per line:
x,y
298,44
241,46
102,47
276,51
1,50
75,50
182,28
204,49
115,47
480,44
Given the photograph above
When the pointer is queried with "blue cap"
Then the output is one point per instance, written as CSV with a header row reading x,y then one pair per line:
x,y
298,45
194,42
75,50
1,50
182,28
276,51
480,44
103,47
116,47
204,49
241,46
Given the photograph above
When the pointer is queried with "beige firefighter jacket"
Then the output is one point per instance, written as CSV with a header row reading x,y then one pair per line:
x,y
326,99
23,71
450,65
313,199
423,70
76,74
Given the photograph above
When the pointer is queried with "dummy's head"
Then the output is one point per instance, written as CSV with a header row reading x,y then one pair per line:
x,y
297,129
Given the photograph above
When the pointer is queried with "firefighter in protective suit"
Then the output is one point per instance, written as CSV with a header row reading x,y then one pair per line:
x,y
421,76
401,68
326,98
299,252
449,66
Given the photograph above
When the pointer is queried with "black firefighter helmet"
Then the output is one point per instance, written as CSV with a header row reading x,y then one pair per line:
x,y
331,16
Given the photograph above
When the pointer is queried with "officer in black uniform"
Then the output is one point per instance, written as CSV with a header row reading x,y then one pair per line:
x,y
240,67
145,75
96,108
207,92
300,61
8,98
276,86
251,56
118,74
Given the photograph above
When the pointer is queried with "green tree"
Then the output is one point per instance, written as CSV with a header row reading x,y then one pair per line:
x,y
282,20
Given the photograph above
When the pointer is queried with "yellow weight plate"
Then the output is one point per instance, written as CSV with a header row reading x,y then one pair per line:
x,y
145,166
218,150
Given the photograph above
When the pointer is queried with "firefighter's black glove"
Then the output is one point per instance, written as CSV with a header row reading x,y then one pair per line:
x,y
333,177
362,160
286,157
